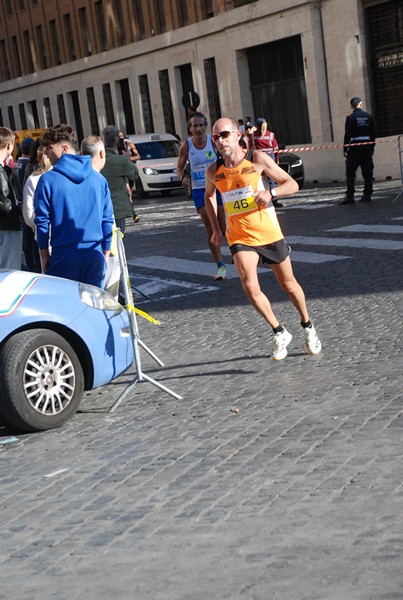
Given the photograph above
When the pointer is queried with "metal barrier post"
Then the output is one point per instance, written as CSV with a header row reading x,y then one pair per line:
x,y
400,150
129,302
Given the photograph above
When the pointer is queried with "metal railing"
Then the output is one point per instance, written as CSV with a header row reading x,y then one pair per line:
x,y
400,151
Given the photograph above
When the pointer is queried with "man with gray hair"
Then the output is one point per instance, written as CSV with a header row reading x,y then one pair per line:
x,y
118,171
94,147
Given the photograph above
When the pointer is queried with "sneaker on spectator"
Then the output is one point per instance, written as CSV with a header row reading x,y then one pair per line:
x,y
281,341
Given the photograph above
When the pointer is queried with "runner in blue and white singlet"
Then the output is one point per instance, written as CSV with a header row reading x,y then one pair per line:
x,y
198,161
198,152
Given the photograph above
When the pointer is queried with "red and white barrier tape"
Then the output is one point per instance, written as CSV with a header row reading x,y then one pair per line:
x,y
331,146
301,149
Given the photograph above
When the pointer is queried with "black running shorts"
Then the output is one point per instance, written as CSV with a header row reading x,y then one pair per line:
x,y
269,253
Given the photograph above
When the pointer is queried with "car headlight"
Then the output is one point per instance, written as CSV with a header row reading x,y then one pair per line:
x,y
150,171
97,298
297,163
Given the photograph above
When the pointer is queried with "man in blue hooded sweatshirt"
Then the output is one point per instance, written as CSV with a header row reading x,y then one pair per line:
x,y
73,212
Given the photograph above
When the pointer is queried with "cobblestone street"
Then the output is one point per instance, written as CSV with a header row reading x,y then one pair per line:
x,y
267,480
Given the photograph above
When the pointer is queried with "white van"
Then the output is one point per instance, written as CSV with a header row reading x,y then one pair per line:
x,y
159,154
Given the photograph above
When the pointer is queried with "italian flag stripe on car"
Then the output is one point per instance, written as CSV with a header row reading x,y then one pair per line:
x,y
13,290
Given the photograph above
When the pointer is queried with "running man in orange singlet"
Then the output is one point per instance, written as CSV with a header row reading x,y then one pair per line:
x,y
253,231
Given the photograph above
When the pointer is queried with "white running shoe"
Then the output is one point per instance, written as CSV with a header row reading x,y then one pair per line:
x,y
281,341
312,342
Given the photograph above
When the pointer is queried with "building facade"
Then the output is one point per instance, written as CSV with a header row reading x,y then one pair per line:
x,y
139,63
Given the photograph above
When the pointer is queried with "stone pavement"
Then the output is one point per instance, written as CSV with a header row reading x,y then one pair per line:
x,y
267,480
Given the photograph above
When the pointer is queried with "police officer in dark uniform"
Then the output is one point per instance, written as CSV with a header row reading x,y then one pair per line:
x,y
359,128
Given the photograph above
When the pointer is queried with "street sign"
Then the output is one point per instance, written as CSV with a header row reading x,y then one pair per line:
x,y
191,99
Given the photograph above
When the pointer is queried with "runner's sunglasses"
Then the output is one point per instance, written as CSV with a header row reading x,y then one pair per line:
x,y
223,134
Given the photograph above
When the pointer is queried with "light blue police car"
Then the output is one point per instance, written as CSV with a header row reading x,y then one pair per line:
x,y
57,338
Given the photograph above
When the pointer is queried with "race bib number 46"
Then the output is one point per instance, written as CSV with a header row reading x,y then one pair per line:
x,y
239,201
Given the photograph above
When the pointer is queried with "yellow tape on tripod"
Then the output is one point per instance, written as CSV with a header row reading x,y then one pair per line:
x,y
131,307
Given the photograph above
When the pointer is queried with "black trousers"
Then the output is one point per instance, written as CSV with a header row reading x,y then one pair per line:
x,y
359,157
30,250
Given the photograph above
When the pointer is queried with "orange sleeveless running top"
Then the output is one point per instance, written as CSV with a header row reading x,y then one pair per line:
x,y
247,223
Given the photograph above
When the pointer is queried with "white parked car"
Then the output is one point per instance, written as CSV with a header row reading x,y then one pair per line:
x,y
159,154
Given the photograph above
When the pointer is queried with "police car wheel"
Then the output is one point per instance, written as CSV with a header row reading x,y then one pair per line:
x,y
41,380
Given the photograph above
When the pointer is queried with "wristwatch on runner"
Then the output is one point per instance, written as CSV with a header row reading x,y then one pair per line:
x,y
273,193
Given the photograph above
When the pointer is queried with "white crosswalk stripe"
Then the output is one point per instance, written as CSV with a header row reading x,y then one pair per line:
x,y
147,286
180,265
314,257
371,244
205,268
370,229
296,255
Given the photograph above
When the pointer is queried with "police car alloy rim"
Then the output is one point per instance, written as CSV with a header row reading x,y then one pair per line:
x,y
49,379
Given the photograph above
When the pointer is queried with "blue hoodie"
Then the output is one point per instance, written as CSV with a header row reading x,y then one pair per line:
x,y
73,207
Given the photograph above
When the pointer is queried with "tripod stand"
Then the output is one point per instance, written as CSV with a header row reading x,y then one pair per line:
x,y
137,342
400,150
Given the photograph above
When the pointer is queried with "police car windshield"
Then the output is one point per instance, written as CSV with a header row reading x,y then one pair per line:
x,y
158,149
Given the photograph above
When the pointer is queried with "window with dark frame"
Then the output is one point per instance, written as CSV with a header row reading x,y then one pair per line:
x,y
9,7
74,103
28,51
384,23
41,47
34,113
208,9
92,111
47,111
107,94
99,13
183,13
139,18
5,63
238,3
278,88
11,118
123,86
55,42
161,24
68,29
61,108
117,5
16,55
23,116
169,120
146,104
82,15
213,96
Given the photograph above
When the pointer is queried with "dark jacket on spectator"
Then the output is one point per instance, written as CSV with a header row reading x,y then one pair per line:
x,y
118,171
10,212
